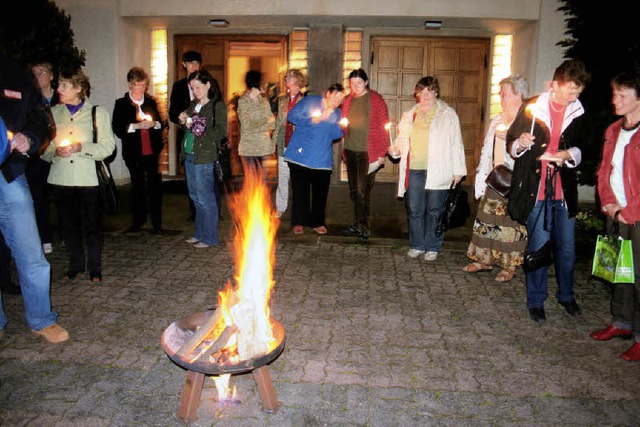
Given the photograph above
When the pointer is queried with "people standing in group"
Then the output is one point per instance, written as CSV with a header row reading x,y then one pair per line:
x,y
206,122
556,134
365,147
73,155
431,152
38,169
179,100
256,123
294,82
497,240
21,114
137,122
310,156
618,188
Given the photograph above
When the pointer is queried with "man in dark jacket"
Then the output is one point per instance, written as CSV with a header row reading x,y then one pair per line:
x,y
180,98
21,113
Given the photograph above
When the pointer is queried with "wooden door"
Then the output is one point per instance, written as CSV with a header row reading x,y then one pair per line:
x,y
460,66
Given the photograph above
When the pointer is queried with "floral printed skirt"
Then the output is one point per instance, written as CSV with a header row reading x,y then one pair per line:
x,y
497,239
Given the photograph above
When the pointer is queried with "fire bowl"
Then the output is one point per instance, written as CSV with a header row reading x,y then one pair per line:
x,y
179,332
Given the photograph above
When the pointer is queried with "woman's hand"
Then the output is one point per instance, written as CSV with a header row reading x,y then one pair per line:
x,y
182,118
68,150
526,141
456,179
394,151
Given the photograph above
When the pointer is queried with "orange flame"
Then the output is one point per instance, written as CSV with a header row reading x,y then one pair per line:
x,y
246,305
225,393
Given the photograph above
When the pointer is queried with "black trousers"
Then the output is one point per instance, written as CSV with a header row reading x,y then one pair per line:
x,y
147,191
37,174
625,300
360,186
309,188
80,209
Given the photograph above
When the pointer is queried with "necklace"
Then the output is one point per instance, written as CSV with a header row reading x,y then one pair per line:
x,y
557,110
632,127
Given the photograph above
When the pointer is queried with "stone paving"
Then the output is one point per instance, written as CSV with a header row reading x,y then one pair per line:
x,y
373,339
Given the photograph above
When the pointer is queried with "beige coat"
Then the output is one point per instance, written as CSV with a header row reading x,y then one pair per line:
x,y
446,150
79,169
256,124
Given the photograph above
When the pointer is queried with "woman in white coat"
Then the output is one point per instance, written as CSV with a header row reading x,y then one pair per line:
x,y
430,147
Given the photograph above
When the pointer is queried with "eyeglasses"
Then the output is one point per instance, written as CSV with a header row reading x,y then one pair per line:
x,y
41,73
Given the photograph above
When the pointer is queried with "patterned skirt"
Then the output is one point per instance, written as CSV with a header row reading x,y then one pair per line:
x,y
497,239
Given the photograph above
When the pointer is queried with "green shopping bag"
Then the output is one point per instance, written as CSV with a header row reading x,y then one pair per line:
x,y
613,260
187,142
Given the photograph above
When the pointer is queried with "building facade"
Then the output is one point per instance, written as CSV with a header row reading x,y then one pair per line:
x,y
458,41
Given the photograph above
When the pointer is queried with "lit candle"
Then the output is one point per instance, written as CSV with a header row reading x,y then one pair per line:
x,y
530,108
344,122
64,143
146,117
9,135
388,129
316,113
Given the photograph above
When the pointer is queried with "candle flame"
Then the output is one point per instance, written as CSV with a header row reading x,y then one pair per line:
x,y
501,127
64,143
146,117
9,135
316,113
344,122
530,108
388,126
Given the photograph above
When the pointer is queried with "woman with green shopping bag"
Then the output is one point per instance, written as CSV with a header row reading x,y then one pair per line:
x,y
619,190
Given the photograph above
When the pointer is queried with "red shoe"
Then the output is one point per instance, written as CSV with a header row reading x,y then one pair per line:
x,y
610,332
633,354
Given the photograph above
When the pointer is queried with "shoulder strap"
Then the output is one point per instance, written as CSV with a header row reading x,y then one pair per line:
x,y
95,126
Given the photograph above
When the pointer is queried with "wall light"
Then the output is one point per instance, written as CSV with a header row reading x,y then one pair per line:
x,y
219,23
432,25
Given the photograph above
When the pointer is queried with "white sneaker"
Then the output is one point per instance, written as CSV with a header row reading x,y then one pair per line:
x,y
47,248
430,256
192,240
201,245
414,253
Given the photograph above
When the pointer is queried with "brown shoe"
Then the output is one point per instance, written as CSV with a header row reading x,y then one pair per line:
x,y
54,334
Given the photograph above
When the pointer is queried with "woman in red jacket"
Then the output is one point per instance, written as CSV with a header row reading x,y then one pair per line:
x,y
365,147
619,191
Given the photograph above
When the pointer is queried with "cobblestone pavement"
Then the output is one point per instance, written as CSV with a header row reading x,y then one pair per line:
x,y
373,339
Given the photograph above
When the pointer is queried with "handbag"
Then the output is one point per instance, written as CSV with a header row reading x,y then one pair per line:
x,y
222,166
613,258
455,210
542,257
500,177
106,184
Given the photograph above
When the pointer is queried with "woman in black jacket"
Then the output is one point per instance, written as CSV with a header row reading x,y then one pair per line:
x,y
137,122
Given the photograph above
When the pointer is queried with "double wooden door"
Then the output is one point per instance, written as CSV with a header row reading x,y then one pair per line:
x,y
460,65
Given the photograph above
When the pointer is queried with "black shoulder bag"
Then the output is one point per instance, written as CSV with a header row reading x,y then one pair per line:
x,y
455,210
222,166
108,190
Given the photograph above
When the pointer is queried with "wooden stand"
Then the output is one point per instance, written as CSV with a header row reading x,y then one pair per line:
x,y
192,392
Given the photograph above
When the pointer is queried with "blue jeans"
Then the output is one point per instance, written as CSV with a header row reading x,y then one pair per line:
x,y
18,225
201,183
564,254
423,209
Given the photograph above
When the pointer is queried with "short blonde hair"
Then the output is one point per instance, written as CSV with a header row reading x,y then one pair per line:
x,y
299,76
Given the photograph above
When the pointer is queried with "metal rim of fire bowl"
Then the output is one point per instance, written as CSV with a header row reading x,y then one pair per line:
x,y
189,323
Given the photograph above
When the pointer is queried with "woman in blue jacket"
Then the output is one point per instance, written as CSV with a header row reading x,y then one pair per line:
x,y
310,156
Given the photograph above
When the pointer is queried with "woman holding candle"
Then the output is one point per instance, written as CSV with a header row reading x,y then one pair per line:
x,y
432,158
618,187
559,129
73,156
294,80
310,156
365,147
206,120
137,122
497,239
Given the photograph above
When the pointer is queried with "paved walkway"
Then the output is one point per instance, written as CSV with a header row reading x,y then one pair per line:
x,y
373,338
